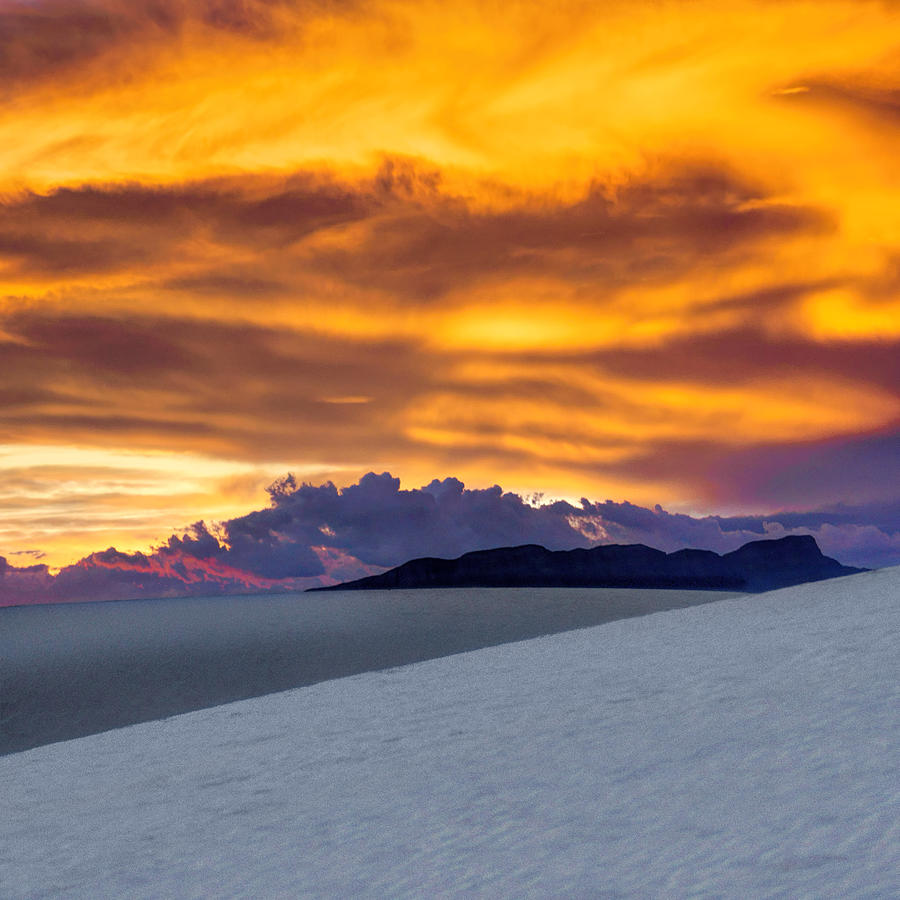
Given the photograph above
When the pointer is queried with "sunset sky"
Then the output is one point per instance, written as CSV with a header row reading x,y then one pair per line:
x,y
637,251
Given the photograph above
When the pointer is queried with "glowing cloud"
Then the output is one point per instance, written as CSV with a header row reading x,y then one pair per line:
x,y
626,249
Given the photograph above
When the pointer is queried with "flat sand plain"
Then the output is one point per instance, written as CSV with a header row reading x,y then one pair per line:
x,y
71,670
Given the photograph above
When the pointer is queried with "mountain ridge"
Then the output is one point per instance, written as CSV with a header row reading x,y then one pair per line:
x,y
757,566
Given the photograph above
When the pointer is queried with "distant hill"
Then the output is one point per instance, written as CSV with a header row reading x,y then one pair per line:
x,y
757,566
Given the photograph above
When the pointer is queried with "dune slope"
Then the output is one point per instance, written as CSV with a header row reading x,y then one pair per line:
x,y
740,748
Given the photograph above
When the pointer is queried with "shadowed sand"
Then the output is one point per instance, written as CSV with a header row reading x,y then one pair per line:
x,y
71,670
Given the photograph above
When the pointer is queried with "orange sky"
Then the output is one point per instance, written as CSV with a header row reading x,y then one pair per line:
x,y
622,250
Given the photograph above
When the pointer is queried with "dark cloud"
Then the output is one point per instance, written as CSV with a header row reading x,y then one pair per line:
x,y
229,387
55,256
858,472
23,396
47,39
40,39
253,392
883,514
739,355
20,585
861,469
233,284
867,536
72,231
379,523
311,533
647,229
877,105
417,241
120,348
295,203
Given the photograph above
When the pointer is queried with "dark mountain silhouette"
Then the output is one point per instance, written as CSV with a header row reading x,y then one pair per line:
x,y
757,566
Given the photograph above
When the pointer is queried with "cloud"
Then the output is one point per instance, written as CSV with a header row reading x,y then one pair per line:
x,y
132,228
50,39
875,104
413,236
839,530
233,388
847,472
612,251
739,355
311,535
120,348
384,287
740,417
42,38
379,523
21,585
659,226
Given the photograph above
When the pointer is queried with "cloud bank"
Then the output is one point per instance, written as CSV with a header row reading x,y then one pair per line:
x,y
313,535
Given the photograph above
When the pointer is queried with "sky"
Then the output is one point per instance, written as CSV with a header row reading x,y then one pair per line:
x,y
638,252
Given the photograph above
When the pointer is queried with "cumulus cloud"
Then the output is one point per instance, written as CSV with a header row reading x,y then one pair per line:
x,y
25,584
839,530
311,535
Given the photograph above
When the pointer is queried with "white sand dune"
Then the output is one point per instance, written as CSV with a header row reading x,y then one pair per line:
x,y
742,748
70,670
